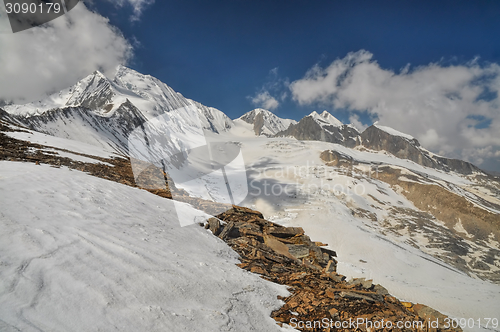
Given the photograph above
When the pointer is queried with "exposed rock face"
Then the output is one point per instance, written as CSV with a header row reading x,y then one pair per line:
x,y
309,128
460,225
377,139
335,158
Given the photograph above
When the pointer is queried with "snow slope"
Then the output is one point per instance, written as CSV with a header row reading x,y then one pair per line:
x,y
78,253
61,143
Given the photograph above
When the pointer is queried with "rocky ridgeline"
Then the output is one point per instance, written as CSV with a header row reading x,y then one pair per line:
x,y
319,295
284,255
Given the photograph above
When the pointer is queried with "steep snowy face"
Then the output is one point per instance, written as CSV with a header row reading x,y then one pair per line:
x,y
103,112
265,122
156,97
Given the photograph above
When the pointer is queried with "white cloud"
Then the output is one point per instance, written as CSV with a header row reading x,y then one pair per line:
x,y
54,56
355,121
274,86
437,104
137,6
265,100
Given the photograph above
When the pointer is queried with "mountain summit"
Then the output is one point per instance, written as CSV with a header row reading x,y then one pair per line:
x,y
102,112
265,122
322,127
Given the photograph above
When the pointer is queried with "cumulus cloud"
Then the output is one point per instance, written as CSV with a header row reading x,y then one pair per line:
x,y
356,122
46,59
265,100
453,110
275,88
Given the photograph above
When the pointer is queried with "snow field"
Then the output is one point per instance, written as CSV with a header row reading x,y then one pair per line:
x,y
79,253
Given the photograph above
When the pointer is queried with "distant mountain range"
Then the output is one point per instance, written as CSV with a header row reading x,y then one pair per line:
x,y
99,111
325,127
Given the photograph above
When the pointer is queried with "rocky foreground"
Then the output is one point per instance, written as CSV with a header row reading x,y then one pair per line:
x,y
320,300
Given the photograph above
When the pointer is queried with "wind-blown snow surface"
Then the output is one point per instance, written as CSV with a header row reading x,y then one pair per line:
x,y
78,253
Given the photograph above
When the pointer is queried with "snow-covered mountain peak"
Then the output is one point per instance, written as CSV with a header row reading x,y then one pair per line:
x,y
325,118
94,91
100,111
266,122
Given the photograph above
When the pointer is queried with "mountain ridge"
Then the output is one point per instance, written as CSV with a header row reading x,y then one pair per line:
x,y
133,98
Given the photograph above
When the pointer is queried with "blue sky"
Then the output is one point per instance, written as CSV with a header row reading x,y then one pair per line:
x,y
221,52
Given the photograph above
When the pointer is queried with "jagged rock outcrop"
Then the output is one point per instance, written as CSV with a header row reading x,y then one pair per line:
x,y
337,159
287,256
406,147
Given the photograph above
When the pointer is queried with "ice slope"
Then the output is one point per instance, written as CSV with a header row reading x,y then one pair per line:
x,y
60,143
78,253
290,185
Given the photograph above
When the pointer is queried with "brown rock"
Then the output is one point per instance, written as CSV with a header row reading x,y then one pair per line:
x,y
228,228
285,232
330,267
298,250
214,225
330,293
277,246
258,269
